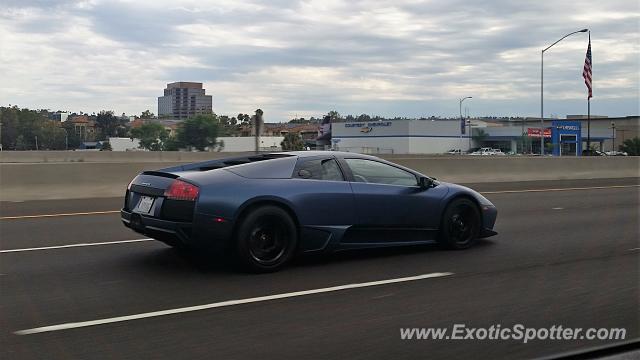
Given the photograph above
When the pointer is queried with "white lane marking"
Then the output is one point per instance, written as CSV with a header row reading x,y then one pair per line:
x,y
75,325
634,249
557,208
58,215
73,245
559,189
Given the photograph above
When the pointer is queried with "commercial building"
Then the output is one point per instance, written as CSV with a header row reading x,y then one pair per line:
x,y
523,135
182,100
520,135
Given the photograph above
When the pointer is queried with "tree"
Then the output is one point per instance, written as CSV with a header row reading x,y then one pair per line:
x,y
199,132
9,126
292,142
106,146
107,124
631,146
364,117
151,135
171,144
334,115
51,136
147,115
73,137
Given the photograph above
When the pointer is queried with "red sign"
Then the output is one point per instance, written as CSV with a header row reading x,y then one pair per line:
x,y
535,132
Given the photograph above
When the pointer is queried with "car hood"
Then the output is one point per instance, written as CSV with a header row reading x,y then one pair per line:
x,y
459,189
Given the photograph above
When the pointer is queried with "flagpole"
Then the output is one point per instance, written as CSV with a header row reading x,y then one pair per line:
x,y
589,105
542,86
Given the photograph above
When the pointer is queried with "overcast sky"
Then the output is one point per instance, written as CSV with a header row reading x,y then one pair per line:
x,y
390,58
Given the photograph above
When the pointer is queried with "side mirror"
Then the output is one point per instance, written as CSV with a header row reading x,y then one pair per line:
x,y
425,182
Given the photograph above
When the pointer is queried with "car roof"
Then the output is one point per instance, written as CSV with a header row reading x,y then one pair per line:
x,y
313,153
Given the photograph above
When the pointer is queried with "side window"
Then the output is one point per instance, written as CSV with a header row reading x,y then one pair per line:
x,y
370,171
319,169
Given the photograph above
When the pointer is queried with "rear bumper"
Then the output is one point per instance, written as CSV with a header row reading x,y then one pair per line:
x,y
163,230
203,232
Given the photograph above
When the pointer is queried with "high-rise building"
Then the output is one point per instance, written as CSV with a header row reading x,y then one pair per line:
x,y
182,100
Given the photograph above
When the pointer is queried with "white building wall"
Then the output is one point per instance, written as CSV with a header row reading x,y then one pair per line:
x,y
437,137
124,144
399,137
247,143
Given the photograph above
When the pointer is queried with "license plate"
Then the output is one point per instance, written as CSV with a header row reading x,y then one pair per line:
x,y
145,204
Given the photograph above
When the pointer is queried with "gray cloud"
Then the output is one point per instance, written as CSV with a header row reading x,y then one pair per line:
x,y
405,58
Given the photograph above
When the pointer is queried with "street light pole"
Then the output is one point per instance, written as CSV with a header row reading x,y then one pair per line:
x,y
542,86
613,136
462,124
66,139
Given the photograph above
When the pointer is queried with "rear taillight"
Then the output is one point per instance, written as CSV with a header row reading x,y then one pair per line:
x,y
181,190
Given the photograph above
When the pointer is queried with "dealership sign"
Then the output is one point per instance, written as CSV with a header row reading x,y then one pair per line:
x,y
535,132
370,124
367,127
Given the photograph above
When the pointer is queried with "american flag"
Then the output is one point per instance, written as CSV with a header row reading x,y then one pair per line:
x,y
586,72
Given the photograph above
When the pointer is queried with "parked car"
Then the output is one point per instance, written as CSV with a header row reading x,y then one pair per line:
x,y
454,152
483,152
498,152
616,153
264,209
592,152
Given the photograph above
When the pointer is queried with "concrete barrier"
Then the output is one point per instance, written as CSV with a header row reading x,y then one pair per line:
x,y
110,156
105,174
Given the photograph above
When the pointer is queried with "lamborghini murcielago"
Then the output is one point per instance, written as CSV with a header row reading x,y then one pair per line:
x,y
263,209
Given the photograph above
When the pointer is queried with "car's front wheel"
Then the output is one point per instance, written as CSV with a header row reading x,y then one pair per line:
x,y
460,224
266,239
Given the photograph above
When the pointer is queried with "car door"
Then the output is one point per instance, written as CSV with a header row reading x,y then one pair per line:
x,y
323,195
324,200
388,202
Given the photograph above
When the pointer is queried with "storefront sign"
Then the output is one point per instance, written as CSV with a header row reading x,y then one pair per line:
x,y
535,132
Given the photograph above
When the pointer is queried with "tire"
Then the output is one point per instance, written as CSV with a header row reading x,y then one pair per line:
x,y
266,239
460,225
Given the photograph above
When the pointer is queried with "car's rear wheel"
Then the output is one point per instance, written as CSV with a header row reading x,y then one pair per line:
x,y
460,224
266,239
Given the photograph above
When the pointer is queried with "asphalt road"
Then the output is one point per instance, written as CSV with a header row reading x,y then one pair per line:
x,y
568,257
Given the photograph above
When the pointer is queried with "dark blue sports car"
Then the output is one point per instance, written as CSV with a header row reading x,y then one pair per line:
x,y
266,208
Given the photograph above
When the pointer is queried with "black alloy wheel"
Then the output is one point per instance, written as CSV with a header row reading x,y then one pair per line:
x,y
460,224
266,239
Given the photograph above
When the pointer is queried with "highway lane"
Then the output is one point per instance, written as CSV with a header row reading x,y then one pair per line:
x,y
561,258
